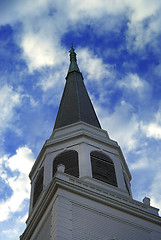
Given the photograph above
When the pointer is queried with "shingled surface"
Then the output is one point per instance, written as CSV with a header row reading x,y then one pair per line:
x,y
75,104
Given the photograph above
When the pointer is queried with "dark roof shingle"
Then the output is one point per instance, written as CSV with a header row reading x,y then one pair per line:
x,y
75,104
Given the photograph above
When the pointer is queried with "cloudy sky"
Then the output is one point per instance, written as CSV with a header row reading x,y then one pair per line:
x,y
118,46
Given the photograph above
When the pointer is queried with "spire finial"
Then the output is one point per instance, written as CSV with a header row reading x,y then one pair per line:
x,y
73,60
72,54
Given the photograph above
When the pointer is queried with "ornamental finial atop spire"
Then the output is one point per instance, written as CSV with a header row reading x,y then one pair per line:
x,y
73,61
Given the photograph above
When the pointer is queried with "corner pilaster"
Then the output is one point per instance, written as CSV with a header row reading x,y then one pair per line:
x,y
61,220
84,161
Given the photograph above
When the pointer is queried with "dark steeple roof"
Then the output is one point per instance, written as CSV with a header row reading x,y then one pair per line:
x,y
75,104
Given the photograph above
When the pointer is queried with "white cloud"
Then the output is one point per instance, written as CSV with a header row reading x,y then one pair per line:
x,y
122,125
155,192
142,9
133,83
41,50
9,100
54,79
138,36
157,70
23,219
93,66
153,128
151,179
96,9
10,233
13,231
143,24
17,10
139,165
21,162
37,51
23,155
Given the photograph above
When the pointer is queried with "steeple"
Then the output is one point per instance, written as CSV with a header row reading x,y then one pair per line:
x,y
75,105
80,182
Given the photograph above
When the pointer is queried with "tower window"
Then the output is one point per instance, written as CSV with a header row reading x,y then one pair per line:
x,y
38,185
103,168
70,160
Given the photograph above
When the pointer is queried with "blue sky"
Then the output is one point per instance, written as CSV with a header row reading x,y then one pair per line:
x,y
119,54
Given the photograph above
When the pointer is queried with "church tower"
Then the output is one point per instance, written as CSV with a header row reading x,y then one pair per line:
x,y
80,182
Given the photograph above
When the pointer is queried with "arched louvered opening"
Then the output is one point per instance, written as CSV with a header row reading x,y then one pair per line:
x,y
70,160
103,168
38,185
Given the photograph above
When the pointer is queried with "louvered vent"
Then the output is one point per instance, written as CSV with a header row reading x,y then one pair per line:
x,y
38,185
103,168
70,160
